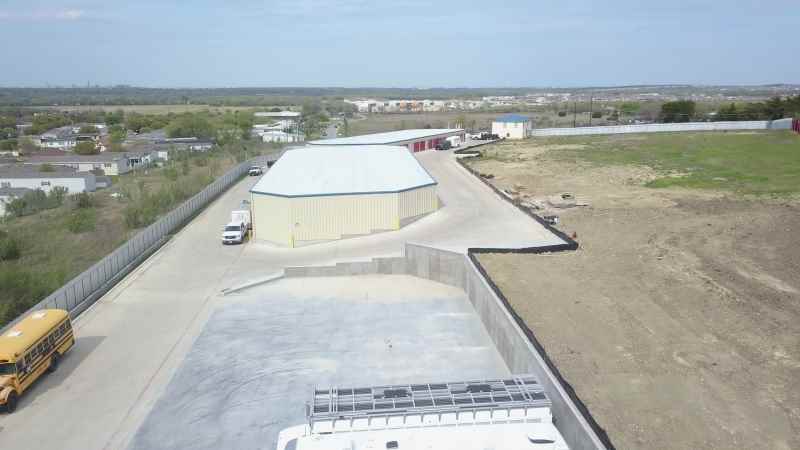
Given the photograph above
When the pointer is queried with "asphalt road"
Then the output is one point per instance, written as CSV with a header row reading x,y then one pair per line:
x,y
131,342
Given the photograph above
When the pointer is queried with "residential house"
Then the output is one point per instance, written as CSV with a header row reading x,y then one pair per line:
x,y
110,163
24,176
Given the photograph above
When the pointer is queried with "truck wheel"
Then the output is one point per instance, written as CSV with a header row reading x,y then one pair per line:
x,y
11,402
53,363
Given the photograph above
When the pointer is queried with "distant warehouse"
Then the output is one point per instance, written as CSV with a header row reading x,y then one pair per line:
x,y
415,140
321,193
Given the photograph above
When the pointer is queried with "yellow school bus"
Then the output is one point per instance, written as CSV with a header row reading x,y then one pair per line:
x,y
30,348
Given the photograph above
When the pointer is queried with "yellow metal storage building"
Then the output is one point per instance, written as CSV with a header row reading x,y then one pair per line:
x,y
320,193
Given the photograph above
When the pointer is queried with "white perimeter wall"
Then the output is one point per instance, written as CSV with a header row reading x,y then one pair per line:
x,y
287,221
783,124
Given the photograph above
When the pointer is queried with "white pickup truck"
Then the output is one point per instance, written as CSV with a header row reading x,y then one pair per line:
x,y
236,230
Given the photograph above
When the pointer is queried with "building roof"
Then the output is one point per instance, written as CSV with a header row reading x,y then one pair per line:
x,y
25,333
27,171
318,171
104,157
280,114
14,191
512,118
390,137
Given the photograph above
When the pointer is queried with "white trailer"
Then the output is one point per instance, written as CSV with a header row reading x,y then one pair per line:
x,y
455,141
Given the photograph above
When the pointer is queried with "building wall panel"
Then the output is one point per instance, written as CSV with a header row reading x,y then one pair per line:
x,y
270,216
417,202
331,217
286,221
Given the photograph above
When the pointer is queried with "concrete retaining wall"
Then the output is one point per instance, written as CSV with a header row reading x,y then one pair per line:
x,y
514,341
782,124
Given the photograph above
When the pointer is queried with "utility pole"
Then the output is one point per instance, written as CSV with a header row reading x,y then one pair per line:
x,y
591,99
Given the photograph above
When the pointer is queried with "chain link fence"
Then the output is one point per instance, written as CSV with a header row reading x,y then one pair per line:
x,y
83,290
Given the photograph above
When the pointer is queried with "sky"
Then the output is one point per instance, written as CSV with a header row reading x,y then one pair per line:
x,y
398,43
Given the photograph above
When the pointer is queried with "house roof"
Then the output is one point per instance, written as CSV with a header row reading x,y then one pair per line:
x,y
104,157
28,171
14,191
280,114
390,137
340,170
512,118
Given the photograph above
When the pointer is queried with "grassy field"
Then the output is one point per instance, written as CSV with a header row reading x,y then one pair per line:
x,y
59,243
761,163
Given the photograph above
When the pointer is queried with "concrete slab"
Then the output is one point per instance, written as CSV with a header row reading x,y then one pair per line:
x,y
254,366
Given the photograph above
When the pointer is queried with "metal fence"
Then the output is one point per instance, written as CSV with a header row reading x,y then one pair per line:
x,y
83,290
783,124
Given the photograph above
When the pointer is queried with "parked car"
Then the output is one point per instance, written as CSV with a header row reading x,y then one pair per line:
x,y
444,145
255,171
236,230
234,233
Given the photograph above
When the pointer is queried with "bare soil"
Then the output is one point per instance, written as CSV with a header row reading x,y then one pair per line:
x,y
678,320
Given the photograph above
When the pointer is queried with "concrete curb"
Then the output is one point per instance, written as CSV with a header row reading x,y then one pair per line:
x,y
259,282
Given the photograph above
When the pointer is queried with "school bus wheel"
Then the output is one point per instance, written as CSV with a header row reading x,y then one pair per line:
x,y
11,402
53,363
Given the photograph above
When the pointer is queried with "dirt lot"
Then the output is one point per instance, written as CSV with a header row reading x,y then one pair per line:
x,y
678,320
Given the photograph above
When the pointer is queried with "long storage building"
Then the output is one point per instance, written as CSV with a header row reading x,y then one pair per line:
x,y
321,193
416,140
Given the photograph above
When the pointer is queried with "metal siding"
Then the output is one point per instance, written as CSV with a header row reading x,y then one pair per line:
x,y
271,219
326,218
417,202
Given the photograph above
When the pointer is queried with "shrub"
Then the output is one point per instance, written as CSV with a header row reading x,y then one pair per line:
x,y
82,220
17,207
20,289
9,248
86,148
597,115
562,113
84,200
56,196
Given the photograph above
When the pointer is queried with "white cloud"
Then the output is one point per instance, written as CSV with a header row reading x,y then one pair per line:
x,y
44,15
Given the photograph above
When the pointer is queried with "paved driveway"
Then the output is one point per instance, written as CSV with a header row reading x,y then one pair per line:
x,y
132,341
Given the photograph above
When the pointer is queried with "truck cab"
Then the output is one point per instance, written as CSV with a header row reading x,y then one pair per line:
x,y
234,233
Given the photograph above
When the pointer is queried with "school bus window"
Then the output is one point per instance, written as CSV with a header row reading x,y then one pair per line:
x,y
7,369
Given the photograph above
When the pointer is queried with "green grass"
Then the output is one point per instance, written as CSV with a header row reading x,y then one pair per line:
x,y
762,163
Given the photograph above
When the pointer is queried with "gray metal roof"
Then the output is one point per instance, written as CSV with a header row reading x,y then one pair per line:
x,y
390,137
28,171
14,191
340,170
74,158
